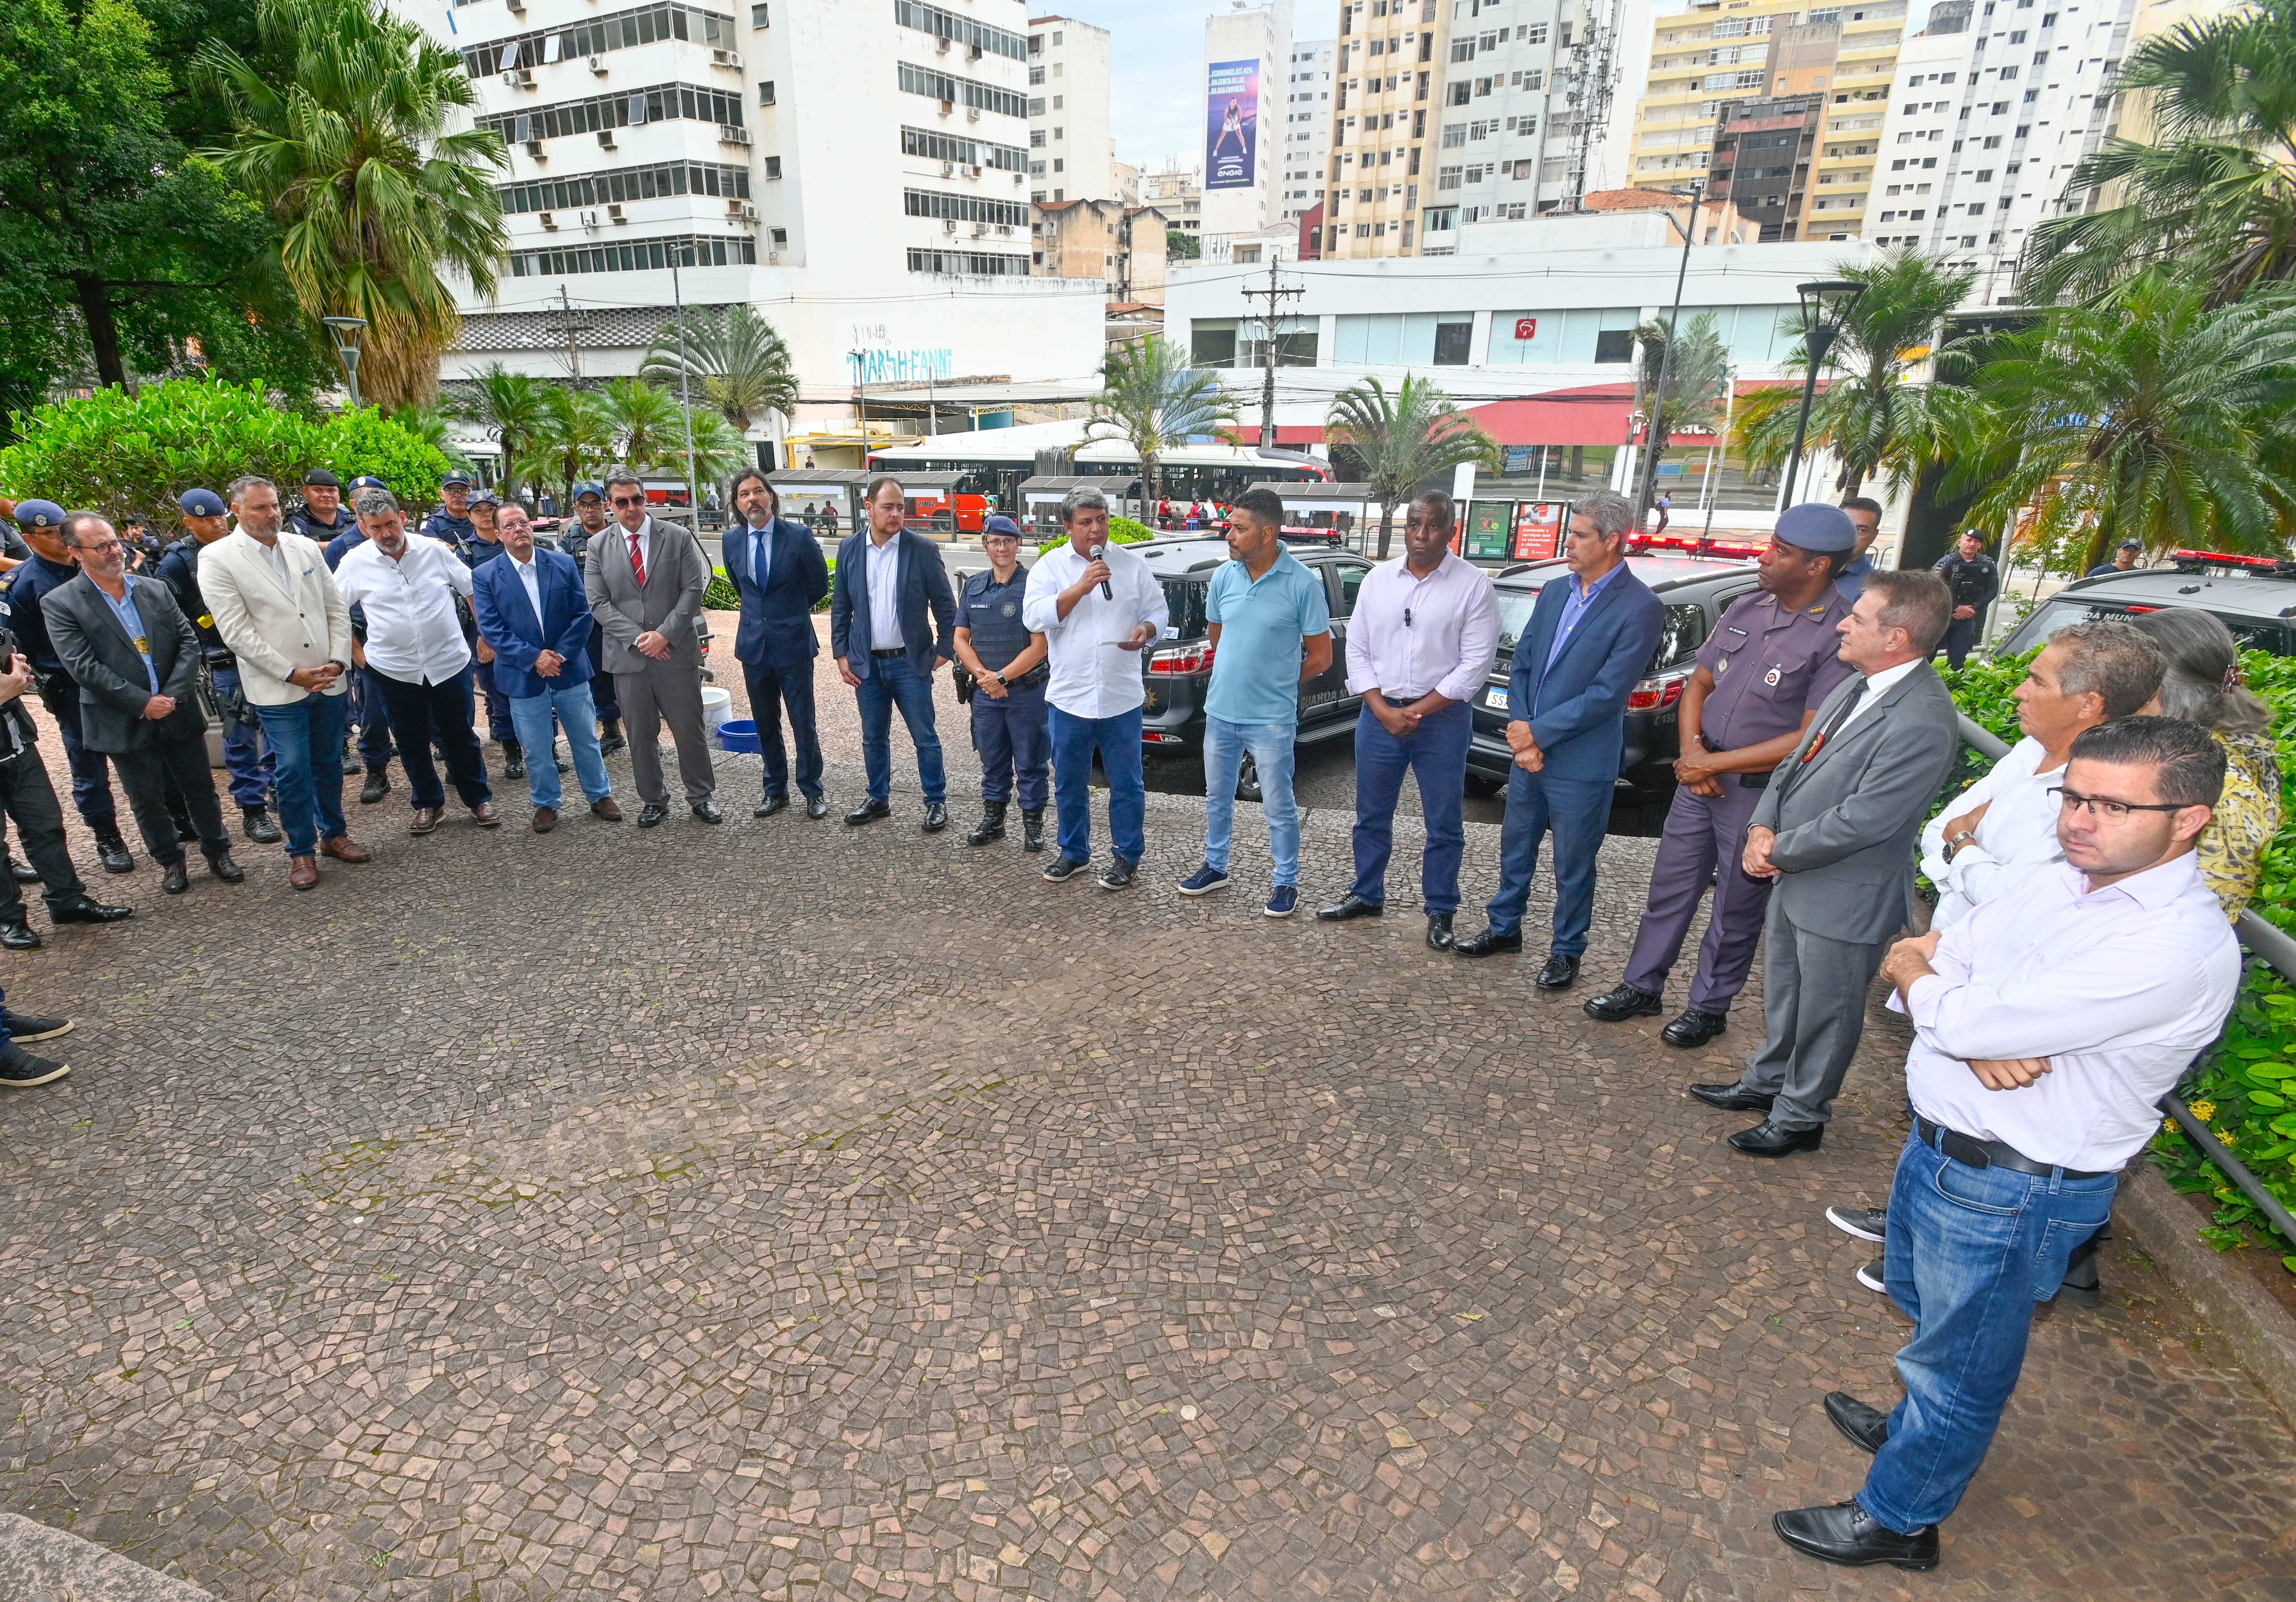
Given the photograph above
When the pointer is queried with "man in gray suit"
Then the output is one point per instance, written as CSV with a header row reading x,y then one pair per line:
x,y
136,661
644,578
1835,829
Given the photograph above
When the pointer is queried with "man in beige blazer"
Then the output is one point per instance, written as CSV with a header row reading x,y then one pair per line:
x,y
276,605
646,579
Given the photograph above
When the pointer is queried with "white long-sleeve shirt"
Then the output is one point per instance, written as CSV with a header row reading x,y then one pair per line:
x,y
1093,675
413,634
2117,987
1411,635
2016,838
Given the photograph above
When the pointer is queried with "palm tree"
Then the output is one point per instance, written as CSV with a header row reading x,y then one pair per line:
x,y
1152,400
720,449
377,203
1872,419
2218,193
648,427
732,359
1697,386
572,441
1405,438
507,405
432,423
2151,414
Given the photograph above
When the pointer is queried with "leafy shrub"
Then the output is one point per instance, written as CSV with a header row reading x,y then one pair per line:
x,y
1121,531
721,596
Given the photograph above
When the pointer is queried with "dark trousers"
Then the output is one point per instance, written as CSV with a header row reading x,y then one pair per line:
x,y
420,712
373,717
500,729
1436,754
1579,812
1014,739
1705,841
772,688
244,756
1959,637
177,753
893,682
91,771
602,682
29,801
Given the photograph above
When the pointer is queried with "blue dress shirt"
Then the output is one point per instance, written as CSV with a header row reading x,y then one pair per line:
x,y
132,620
1574,608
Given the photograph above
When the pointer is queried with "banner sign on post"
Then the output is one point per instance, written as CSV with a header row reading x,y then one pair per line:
x,y
1232,126
1536,525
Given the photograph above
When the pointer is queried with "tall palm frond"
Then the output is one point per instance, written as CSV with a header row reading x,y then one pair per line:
x,y
1697,374
573,441
730,359
507,405
1152,399
1405,438
648,427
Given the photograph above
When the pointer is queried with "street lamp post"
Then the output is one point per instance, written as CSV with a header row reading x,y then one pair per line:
x,y
1817,332
1650,444
348,332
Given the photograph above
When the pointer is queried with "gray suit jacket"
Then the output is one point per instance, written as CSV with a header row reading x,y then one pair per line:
x,y
113,687
1847,820
676,574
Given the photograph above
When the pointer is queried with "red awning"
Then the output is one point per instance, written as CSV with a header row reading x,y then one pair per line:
x,y
1590,416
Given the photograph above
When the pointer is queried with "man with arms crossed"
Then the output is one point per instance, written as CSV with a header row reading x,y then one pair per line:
x,y
2047,1025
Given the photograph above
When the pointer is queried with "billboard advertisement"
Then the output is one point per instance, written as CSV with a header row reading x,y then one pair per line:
x,y
1232,126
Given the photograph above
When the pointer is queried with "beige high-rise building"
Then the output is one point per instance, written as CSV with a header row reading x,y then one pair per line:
x,y
1778,108
1072,153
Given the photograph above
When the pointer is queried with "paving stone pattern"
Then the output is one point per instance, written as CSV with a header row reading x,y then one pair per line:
x,y
786,1212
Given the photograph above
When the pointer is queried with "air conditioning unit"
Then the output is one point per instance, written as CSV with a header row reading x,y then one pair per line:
x,y
946,168
949,224
598,65
515,5
974,54
726,57
741,211
940,44
727,134
590,218
979,229
976,171
774,258
605,139
1004,231
972,113
614,214
548,220
533,149
519,78
948,106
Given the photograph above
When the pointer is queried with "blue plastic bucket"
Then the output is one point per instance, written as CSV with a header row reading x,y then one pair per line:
x,y
739,735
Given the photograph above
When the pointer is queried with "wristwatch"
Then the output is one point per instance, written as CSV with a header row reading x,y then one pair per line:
x,y
1957,842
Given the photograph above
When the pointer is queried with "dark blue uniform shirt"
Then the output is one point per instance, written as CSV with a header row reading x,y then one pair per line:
x,y
20,594
992,611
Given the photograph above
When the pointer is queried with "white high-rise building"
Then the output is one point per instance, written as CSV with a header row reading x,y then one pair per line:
x,y
860,172
1995,103
1247,57
1307,151
1071,154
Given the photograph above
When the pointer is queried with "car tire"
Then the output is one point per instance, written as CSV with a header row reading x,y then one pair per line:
x,y
1247,780
1483,784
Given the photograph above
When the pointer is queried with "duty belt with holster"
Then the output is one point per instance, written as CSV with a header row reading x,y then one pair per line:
x,y
966,685
1746,781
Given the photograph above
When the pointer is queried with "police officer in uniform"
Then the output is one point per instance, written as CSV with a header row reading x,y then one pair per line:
x,y
1970,574
574,539
247,763
451,522
1759,681
20,594
1005,673
367,709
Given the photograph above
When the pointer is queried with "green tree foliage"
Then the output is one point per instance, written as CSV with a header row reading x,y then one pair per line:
x,y
1405,438
648,428
1697,372
732,360
1152,400
508,405
572,441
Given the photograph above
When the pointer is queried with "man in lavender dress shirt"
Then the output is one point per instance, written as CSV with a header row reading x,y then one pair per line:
x,y
1421,639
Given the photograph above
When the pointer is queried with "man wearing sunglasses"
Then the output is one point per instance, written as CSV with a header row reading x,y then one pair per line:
x,y
645,578
2047,1026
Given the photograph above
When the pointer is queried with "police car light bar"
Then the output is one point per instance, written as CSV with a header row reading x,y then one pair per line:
x,y
2197,560
1690,544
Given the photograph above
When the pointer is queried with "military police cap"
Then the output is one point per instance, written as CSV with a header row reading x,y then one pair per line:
x,y
455,475
1000,524
485,497
323,479
368,481
1814,526
598,490
201,503
2132,544
40,514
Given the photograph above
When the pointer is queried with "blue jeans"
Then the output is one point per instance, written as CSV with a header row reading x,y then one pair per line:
x,y
1969,1251
577,714
306,740
1579,812
249,765
893,682
1117,741
1270,745
1014,740
1436,752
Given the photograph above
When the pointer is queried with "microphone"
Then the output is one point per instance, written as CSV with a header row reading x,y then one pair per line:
x,y
1100,553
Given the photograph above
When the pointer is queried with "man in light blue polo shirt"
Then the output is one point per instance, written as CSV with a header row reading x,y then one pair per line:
x,y
1271,632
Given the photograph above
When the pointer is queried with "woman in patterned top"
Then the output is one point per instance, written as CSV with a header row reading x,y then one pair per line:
x,y
2203,686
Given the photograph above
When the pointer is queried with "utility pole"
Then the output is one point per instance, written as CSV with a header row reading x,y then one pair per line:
x,y
860,360
573,352
1275,296
1652,444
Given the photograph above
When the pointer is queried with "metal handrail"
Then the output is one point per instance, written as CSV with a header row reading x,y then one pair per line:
x,y
2268,942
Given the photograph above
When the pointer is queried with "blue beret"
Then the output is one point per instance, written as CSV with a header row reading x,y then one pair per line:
x,y
201,503
40,514
1000,524
1814,526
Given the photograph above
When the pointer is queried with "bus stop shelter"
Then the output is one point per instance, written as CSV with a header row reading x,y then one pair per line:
x,y
807,495
1041,498
1344,514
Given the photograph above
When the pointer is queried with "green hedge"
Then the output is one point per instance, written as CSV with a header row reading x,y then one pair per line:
x,y
2246,1089
1121,531
721,596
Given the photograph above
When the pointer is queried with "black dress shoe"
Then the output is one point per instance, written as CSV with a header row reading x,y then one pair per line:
x,y
23,873
707,810
771,804
1490,942
1768,1139
1351,905
1440,937
225,868
1734,1098
936,816
1846,1534
18,936
1695,1028
868,812
817,807
177,880
377,786
652,814
85,908
1863,1426
1616,1006
1560,973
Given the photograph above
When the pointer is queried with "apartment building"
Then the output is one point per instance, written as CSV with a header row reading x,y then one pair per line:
x,y
1998,102
1246,60
1804,89
1307,148
1122,246
1072,152
1179,194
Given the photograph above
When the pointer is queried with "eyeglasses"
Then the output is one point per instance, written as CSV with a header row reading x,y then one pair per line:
x,y
629,500
2111,812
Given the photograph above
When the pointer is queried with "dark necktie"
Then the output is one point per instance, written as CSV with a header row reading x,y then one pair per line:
x,y
637,560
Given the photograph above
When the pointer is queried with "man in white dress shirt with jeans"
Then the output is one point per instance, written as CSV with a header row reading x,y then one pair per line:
x,y
2047,1026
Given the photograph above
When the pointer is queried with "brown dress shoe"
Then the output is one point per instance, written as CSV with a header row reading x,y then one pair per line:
x,y
345,849
608,809
425,819
485,815
545,819
303,873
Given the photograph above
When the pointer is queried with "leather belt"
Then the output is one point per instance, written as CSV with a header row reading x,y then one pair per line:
x,y
896,651
1974,1153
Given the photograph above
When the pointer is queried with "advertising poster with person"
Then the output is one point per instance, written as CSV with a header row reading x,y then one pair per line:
x,y
1232,126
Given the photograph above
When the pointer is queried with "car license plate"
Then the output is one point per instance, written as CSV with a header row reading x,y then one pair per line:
x,y
1496,700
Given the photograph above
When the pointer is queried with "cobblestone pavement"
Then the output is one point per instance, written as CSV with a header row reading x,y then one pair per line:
x,y
781,1210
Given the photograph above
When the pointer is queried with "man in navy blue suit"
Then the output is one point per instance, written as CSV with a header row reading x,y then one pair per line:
x,y
1590,638
892,625
532,610
778,570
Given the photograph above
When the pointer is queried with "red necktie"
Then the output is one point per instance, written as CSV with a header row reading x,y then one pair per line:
x,y
637,559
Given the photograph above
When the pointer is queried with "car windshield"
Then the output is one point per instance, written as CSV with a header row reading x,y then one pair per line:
x,y
2254,633
1514,616
1187,597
